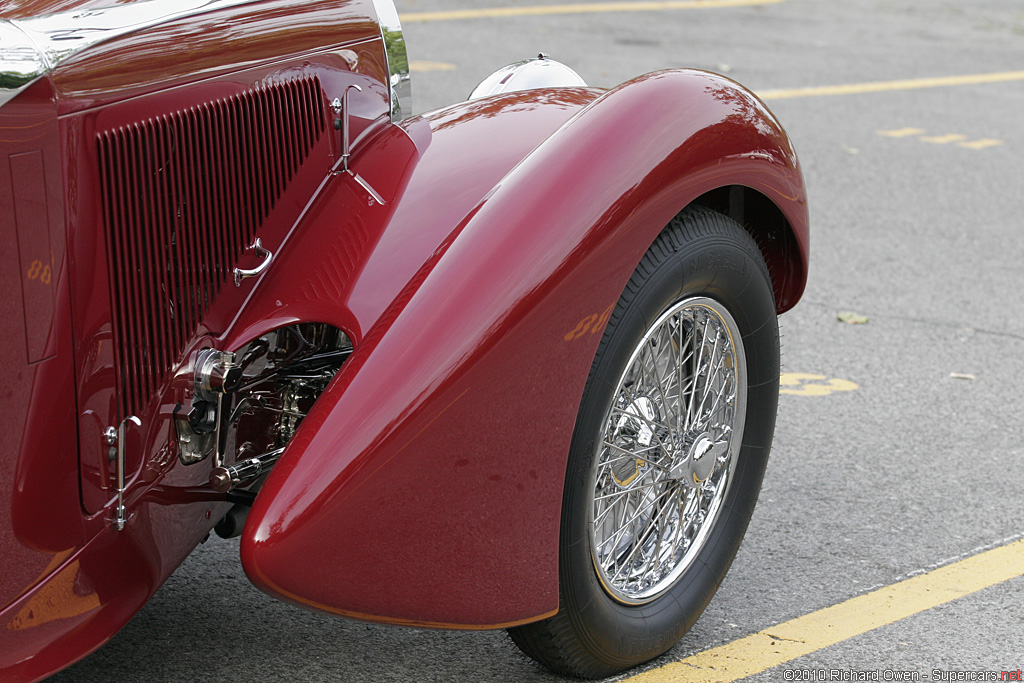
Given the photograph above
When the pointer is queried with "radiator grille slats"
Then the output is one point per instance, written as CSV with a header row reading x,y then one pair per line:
x,y
184,194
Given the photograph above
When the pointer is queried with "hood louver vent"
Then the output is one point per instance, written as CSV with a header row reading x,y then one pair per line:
x,y
184,194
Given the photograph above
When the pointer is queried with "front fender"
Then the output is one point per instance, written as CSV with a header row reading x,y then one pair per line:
x,y
425,486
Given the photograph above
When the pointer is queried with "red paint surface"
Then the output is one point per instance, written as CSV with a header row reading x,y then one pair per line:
x,y
36,396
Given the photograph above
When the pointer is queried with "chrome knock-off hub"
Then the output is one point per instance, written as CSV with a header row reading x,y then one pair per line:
x,y
697,460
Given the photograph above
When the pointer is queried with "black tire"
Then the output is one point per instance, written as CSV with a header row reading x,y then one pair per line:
x,y
703,263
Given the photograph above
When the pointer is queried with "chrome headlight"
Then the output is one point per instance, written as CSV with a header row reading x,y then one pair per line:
x,y
542,72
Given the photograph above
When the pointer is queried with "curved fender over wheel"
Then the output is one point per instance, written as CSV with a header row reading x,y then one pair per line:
x,y
425,487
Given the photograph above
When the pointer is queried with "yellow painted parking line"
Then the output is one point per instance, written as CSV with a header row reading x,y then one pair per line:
x,y
812,632
980,144
581,8
804,384
901,132
960,140
889,86
944,139
420,66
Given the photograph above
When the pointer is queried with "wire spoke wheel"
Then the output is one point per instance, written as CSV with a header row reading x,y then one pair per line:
x,y
666,450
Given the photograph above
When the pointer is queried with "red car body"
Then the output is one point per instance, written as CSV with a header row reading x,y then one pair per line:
x,y
470,255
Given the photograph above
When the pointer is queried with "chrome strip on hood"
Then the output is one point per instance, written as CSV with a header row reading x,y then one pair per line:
x,y
21,62
31,48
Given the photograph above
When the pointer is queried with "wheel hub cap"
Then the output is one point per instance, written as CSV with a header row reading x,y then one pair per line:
x,y
694,468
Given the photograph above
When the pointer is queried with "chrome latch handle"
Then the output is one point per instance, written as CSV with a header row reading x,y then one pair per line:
x,y
115,438
267,255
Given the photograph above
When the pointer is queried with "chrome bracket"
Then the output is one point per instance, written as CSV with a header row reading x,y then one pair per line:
x,y
216,374
115,439
261,251
341,110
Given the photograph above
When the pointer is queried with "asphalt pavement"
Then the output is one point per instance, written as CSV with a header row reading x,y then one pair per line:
x,y
898,446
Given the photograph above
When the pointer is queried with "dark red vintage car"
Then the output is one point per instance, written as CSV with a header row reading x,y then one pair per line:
x,y
509,364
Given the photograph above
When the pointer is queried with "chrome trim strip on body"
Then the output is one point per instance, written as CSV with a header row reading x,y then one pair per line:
x,y
398,59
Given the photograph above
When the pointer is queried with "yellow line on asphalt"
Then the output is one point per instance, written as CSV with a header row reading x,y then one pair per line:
x,y
812,632
417,66
888,86
582,8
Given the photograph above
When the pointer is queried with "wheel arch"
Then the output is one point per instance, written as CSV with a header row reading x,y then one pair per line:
x,y
783,249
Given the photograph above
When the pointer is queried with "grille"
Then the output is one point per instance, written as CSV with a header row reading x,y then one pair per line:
x,y
184,194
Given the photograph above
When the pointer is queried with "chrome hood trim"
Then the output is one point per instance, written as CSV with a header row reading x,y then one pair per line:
x,y
21,62
31,48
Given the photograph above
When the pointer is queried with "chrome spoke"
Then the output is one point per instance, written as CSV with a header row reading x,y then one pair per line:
x,y
680,369
696,372
632,520
626,454
623,492
658,382
640,541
